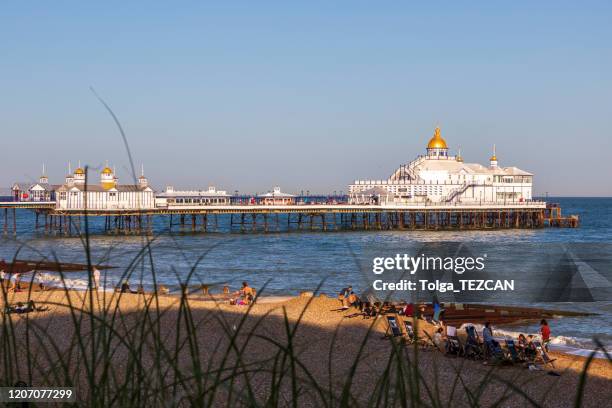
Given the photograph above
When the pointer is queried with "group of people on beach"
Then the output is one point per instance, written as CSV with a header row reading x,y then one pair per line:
x,y
13,280
444,337
525,347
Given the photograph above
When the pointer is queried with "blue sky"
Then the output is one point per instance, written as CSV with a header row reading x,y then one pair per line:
x,y
308,96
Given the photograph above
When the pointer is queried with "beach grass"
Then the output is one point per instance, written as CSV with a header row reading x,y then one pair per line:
x,y
151,349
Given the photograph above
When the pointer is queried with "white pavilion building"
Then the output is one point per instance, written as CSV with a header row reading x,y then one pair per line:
x,y
438,177
108,194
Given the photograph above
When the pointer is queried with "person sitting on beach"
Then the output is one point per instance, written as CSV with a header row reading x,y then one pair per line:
x,y
344,295
28,307
369,310
354,301
545,334
487,336
246,293
366,310
408,310
523,346
421,313
125,287
522,343
530,348
439,339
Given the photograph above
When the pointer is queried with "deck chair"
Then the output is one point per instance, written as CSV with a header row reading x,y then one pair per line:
x,y
453,344
513,353
412,337
495,353
393,328
472,348
542,355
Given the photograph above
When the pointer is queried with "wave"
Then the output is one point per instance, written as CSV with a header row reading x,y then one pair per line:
x,y
54,280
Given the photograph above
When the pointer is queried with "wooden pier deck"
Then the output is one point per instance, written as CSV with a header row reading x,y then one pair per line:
x,y
277,218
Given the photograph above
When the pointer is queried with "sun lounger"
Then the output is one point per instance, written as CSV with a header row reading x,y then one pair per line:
x,y
542,355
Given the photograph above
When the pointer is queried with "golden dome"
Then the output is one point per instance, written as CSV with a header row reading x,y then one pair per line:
x,y
493,158
436,142
79,171
107,170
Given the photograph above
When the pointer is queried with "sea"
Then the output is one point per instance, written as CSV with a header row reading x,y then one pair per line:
x,y
286,263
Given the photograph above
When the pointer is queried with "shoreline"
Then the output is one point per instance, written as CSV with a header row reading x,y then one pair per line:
x,y
280,300
195,293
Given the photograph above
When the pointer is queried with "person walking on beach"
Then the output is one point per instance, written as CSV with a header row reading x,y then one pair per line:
x,y
96,278
545,333
16,282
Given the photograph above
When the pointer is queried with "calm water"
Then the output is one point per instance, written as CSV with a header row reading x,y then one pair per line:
x,y
291,262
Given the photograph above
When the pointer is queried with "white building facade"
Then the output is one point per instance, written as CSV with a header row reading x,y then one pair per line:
x,y
441,178
212,196
74,194
276,197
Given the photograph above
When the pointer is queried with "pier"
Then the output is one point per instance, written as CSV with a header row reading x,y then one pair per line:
x,y
288,218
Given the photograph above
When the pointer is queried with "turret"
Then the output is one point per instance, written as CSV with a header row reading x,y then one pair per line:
x,y
107,178
70,176
437,146
79,175
493,159
43,177
458,157
142,180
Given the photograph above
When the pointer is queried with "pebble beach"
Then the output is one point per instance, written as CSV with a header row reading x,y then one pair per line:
x,y
326,342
